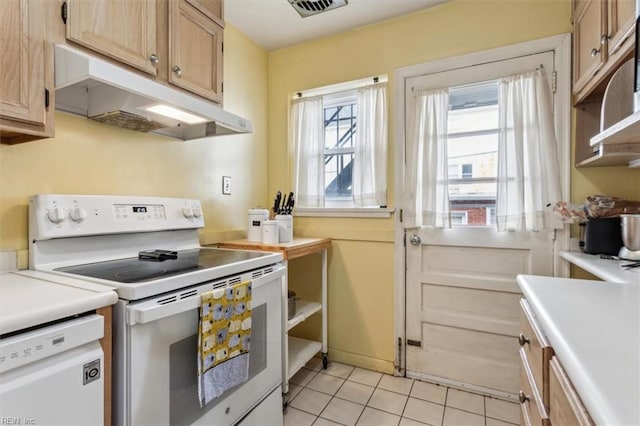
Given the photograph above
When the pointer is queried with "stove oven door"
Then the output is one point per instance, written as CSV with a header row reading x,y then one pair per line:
x,y
159,367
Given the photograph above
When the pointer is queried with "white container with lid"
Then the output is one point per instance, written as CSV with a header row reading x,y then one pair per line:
x,y
254,228
285,227
270,232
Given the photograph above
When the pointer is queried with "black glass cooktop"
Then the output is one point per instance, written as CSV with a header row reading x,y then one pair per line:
x,y
135,270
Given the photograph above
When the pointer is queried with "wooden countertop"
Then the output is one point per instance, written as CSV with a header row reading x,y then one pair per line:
x,y
296,248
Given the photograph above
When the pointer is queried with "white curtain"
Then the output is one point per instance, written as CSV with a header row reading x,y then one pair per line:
x,y
427,191
369,173
528,173
307,121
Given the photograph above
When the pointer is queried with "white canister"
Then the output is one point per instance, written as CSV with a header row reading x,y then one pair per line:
x,y
285,227
269,232
254,229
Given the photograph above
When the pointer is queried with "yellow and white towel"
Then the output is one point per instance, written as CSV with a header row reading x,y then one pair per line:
x,y
224,334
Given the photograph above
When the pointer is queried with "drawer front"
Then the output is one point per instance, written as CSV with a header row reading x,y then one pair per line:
x,y
566,407
537,350
532,409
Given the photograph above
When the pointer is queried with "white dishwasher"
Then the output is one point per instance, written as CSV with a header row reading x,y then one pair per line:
x,y
52,365
52,374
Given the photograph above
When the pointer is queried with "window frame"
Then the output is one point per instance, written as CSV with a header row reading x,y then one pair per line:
x,y
338,93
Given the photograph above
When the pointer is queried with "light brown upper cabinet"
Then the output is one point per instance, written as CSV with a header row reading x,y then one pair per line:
x,y
124,30
195,49
214,9
602,41
26,76
589,30
621,18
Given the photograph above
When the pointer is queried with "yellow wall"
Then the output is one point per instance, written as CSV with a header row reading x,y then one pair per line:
x,y
93,158
361,261
87,157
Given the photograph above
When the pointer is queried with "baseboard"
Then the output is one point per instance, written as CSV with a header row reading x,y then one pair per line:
x,y
361,361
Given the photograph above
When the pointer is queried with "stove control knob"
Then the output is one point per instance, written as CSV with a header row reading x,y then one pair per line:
x,y
197,212
78,214
57,215
187,212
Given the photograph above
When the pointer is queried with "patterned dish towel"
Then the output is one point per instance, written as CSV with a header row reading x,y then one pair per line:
x,y
224,333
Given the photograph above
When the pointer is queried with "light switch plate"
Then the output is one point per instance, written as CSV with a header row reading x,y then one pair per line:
x,y
226,185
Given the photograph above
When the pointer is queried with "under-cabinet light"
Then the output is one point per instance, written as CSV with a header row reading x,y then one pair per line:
x,y
176,114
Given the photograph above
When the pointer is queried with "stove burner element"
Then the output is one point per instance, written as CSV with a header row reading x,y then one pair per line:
x,y
134,273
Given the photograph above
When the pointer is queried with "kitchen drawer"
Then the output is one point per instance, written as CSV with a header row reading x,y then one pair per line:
x,y
532,409
566,407
537,349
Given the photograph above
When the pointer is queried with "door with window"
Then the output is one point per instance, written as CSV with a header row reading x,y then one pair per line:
x,y
461,292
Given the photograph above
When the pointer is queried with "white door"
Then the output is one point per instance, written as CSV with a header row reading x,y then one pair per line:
x,y
461,293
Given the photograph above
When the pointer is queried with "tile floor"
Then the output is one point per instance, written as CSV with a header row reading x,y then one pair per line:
x,y
346,395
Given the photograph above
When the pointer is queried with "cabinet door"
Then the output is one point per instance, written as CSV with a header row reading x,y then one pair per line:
x,y
22,84
566,407
621,22
589,28
195,51
214,9
26,72
124,30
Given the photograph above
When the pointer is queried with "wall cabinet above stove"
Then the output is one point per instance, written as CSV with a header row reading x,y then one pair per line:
x,y
125,31
178,42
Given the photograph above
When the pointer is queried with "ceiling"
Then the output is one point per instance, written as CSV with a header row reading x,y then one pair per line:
x,y
275,24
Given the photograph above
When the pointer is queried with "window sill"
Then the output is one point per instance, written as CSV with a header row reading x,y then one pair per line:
x,y
372,212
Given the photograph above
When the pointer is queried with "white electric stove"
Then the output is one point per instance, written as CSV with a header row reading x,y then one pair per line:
x,y
148,250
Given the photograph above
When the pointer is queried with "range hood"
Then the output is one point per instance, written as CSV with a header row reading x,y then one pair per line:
x,y
101,91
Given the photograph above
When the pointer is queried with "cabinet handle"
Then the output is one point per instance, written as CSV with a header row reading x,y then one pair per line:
x,y
604,39
177,70
522,397
523,340
594,52
154,59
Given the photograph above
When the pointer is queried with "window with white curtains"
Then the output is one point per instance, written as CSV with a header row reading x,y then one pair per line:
x,y
485,151
339,136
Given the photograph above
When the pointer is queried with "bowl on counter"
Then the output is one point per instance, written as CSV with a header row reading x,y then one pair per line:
x,y
630,226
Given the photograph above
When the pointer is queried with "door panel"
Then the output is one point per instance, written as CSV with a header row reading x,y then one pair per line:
x,y
462,302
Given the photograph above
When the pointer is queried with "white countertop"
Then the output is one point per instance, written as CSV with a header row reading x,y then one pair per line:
x,y
605,269
594,329
29,298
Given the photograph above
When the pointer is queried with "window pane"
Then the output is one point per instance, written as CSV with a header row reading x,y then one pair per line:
x,y
472,153
338,175
340,126
330,127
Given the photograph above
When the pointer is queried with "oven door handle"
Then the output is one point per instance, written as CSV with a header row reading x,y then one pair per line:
x,y
158,308
145,313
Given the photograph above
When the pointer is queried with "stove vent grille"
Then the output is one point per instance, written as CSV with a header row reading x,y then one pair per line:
x,y
313,7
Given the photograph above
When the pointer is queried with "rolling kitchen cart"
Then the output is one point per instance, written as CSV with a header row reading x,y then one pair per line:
x,y
296,352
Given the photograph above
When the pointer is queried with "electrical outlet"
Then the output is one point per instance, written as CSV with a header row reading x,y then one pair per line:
x,y
226,185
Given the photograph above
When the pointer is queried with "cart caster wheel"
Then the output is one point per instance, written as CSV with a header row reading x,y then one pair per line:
x,y
325,361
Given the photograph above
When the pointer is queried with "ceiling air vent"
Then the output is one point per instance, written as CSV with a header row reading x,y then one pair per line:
x,y
313,7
